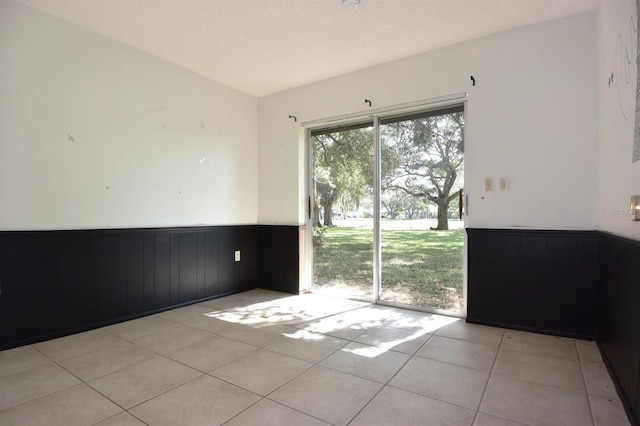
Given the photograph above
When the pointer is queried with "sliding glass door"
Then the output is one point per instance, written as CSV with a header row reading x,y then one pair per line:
x,y
408,250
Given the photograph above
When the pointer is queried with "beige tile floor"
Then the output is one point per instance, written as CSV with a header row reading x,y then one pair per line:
x,y
266,358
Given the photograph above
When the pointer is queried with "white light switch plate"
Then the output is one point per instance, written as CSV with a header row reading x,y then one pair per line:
x,y
503,184
488,185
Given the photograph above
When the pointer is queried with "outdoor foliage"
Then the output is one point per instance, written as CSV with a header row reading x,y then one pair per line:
x,y
422,162
422,268
399,204
318,237
425,157
342,164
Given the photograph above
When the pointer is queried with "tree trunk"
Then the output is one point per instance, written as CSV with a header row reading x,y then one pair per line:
x,y
328,212
443,210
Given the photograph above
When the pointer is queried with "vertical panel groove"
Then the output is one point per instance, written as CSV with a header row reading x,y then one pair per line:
x,y
126,274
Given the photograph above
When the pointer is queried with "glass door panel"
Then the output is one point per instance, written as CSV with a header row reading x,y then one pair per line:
x,y
422,235
342,211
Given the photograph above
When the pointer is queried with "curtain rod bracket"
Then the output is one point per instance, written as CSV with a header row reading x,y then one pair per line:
x,y
473,80
294,118
367,101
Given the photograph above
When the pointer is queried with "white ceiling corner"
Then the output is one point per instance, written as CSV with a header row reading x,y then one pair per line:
x,y
265,46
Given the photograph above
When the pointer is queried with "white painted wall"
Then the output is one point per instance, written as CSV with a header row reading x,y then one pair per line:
x,y
532,118
153,144
619,177
141,128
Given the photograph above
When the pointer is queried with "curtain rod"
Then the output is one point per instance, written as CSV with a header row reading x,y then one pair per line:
x,y
432,102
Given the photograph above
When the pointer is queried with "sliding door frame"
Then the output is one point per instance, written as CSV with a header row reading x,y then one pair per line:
x,y
373,116
377,211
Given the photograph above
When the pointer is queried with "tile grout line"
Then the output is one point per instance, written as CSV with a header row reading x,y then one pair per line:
x,y
581,362
82,382
484,391
208,373
301,359
316,364
242,411
126,410
262,397
327,356
248,390
384,385
86,382
387,383
584,383
458,365
313,364
415,354
547,357
123,412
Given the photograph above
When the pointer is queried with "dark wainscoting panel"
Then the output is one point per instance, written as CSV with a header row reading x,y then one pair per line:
x,y
54,283
534,280
618,334
279,258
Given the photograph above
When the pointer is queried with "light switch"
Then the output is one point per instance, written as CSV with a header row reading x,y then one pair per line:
x,y
488,185
237,255
634,208
503,184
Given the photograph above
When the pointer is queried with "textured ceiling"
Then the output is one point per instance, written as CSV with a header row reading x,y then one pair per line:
x,y
265,46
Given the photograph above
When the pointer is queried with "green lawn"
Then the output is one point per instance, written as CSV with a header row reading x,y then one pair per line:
x,y
422,268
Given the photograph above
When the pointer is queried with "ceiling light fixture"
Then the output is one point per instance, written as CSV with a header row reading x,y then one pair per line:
x,y
350,4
